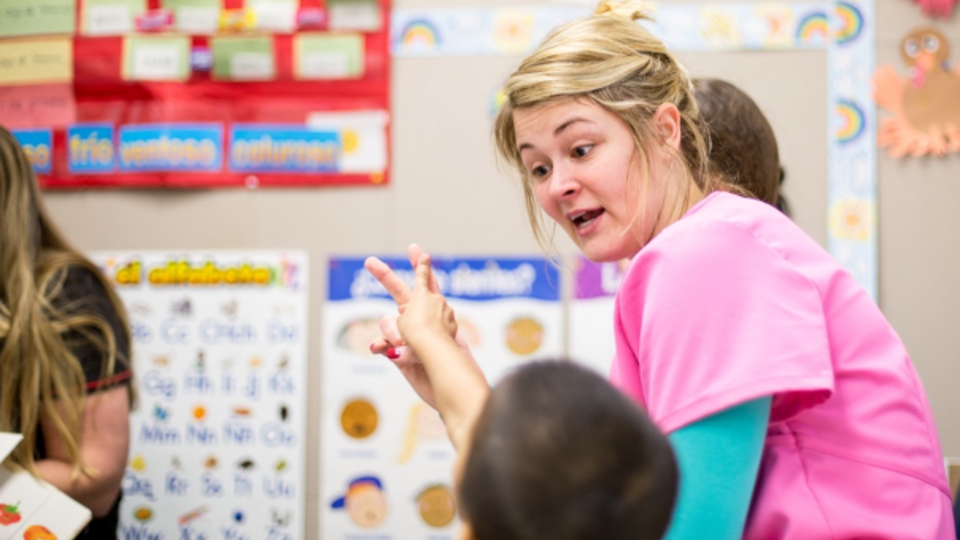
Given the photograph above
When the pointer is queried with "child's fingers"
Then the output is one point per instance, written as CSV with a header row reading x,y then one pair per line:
x,y
394,285
402,356
414,252
391,331
422,280
379,346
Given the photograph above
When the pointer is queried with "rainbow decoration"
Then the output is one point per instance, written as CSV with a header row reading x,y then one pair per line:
x,y
419,34
813,29
851,121
850,22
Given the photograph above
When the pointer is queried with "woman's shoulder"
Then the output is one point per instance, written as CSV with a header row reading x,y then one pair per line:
x,y
732,209
727,221
721,236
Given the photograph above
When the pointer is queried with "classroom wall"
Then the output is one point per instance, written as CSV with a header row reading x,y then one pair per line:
x,y
448,194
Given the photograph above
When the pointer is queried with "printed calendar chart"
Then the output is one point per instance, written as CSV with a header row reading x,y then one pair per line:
x,y
386,462
219,353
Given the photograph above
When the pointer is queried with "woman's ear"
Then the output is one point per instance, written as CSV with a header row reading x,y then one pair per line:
x,y
667,123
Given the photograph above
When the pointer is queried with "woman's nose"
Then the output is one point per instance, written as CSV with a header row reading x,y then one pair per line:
x,y
563,184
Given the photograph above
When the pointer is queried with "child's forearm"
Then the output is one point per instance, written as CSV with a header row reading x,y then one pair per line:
x,y
459,386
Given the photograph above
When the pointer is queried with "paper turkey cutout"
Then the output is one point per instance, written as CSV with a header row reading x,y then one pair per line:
x,y
926,104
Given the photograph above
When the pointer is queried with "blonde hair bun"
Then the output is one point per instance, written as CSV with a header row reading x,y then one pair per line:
x,y
632,10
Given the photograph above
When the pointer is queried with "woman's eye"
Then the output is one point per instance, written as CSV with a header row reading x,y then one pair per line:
x,y
581,151
540,171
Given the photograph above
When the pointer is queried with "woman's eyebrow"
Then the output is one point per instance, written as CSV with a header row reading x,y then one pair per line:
x,y
556,132
567,124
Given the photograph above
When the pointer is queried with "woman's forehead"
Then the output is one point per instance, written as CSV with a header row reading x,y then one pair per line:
x,y
548,119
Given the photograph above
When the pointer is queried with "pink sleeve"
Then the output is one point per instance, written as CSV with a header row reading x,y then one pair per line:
x,y
715,318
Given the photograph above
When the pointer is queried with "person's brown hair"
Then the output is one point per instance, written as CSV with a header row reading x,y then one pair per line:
x,y
559,453
743,146
39,369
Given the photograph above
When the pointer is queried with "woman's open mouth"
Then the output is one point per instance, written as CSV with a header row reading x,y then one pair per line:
x,y
583,221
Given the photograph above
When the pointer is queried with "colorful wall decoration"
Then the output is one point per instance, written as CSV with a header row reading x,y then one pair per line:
x,y
386,463
199,93
852,153
220,351
691,27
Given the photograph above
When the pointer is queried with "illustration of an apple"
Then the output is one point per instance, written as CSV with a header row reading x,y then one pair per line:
x,y
9,513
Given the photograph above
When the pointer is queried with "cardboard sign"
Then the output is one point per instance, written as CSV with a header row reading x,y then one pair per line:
x,y
243,58
37,105
32,508
33,17
36,61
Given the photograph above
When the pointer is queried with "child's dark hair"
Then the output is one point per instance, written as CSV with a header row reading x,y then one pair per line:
x,y
743,148
558,453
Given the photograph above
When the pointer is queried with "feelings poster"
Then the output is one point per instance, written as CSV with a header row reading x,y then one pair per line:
x,y
219,350
591,340
386,463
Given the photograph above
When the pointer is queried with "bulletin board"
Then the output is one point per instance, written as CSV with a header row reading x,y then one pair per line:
x,y
198,93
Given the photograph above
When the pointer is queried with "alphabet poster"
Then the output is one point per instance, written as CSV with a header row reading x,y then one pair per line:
x,y
590,333
386,463
219,351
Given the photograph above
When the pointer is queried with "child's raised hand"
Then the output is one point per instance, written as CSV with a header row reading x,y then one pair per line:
x,y
390,343
427,315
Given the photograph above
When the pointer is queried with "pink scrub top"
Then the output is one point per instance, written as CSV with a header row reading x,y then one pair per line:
x,y
734,302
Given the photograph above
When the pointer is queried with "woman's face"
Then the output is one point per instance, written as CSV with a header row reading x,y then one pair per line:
x,y
585,171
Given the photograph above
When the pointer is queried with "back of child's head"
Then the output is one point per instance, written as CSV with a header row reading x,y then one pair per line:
x,y
743,147
560,454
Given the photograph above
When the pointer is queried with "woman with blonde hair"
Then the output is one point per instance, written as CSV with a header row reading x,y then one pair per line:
x,y
791,404
64,353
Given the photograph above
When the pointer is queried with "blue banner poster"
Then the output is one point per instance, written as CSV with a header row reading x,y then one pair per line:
x,y
386,463
220,354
